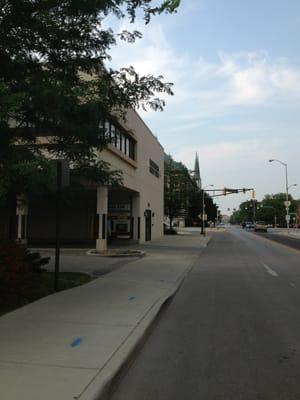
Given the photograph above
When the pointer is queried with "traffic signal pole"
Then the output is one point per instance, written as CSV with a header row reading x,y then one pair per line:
x,y
226,191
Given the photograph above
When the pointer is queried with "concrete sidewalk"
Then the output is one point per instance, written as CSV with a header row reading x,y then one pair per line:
x,y
70,345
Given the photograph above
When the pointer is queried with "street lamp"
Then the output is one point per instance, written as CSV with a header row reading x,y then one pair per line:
x,y
203,209
287,193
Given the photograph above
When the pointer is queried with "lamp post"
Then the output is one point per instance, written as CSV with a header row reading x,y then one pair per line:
x,y
287,217
203,209
294,184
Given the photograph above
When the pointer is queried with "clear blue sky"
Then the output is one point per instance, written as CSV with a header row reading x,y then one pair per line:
x,y
236,69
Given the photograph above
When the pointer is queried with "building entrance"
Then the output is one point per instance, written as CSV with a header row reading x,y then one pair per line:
x,y
120,214
148,225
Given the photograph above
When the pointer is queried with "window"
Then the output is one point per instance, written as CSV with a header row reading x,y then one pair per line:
x,y
106,129
123,143
131,149
118,138
112,134
153,168
101,125
127,143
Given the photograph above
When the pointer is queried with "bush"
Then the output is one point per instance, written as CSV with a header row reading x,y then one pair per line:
x,y
170,232
17,266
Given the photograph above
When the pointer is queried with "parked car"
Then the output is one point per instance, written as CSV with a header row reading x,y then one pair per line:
x,y
260,226
248,225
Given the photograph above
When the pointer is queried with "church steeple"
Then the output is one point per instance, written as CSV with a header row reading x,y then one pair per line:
x,y
197,175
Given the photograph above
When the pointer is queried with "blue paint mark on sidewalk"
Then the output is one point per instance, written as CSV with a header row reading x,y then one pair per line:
x,y
130,298
76,342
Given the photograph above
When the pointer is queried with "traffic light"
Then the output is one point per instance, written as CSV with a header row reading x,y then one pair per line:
x,y
244,190
225,191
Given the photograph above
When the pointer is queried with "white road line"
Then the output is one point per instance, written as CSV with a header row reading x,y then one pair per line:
x,y
270,271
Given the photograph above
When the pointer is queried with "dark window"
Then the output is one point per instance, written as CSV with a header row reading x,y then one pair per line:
x,y
106,129
101,125
112,134
131,149
118,138
123,143
153,168
127,144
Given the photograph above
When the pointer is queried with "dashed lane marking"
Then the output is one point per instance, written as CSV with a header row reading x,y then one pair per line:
x,y
270,271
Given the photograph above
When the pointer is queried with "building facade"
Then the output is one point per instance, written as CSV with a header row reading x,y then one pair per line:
x,y
96,216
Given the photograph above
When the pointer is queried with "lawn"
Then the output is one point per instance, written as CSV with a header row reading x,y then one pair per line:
x,y
42,285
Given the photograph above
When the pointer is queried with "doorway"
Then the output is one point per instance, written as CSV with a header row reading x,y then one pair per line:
x,y
148,225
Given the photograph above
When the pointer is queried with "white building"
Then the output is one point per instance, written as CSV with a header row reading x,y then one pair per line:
x,y
95,216
136,210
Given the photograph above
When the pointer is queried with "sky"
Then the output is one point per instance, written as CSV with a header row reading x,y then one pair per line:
x,y
235,66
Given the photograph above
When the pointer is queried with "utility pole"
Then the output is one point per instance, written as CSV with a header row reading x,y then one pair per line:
x,y
58,221
203,210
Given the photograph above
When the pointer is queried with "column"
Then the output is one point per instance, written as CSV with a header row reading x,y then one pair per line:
x,y
136,217
102,205
22,213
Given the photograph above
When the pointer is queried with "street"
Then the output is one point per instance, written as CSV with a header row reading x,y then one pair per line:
x,y
232,332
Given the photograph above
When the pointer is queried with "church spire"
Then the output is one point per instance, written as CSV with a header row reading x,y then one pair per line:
x,y
197,175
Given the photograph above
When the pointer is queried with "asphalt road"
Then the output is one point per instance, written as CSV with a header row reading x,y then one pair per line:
x,y
232,332
287,240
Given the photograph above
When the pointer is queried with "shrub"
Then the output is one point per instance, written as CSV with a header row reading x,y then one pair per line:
x,y
17,266
170,232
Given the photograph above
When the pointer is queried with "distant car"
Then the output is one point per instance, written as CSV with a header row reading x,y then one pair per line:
x,y
248,225
260,226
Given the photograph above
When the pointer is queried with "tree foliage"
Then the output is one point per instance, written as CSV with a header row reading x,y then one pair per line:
x,y
195,207
270,209
179,184
54,83
182,195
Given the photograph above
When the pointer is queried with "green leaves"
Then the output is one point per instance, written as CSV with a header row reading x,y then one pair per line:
x,y
170,6
179,187
53,82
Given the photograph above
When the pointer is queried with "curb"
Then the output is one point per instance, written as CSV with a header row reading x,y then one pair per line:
x,y
101,385
114,254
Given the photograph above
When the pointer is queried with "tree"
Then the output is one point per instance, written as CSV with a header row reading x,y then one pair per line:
x,y
246,212
179,185
54,84
195,207
182,196
270,209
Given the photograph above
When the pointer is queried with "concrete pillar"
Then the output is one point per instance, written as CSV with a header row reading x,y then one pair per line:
x,y
102,206
22,213
136,217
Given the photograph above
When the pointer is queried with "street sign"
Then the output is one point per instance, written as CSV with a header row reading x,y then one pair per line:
x,y
22,210
287,203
